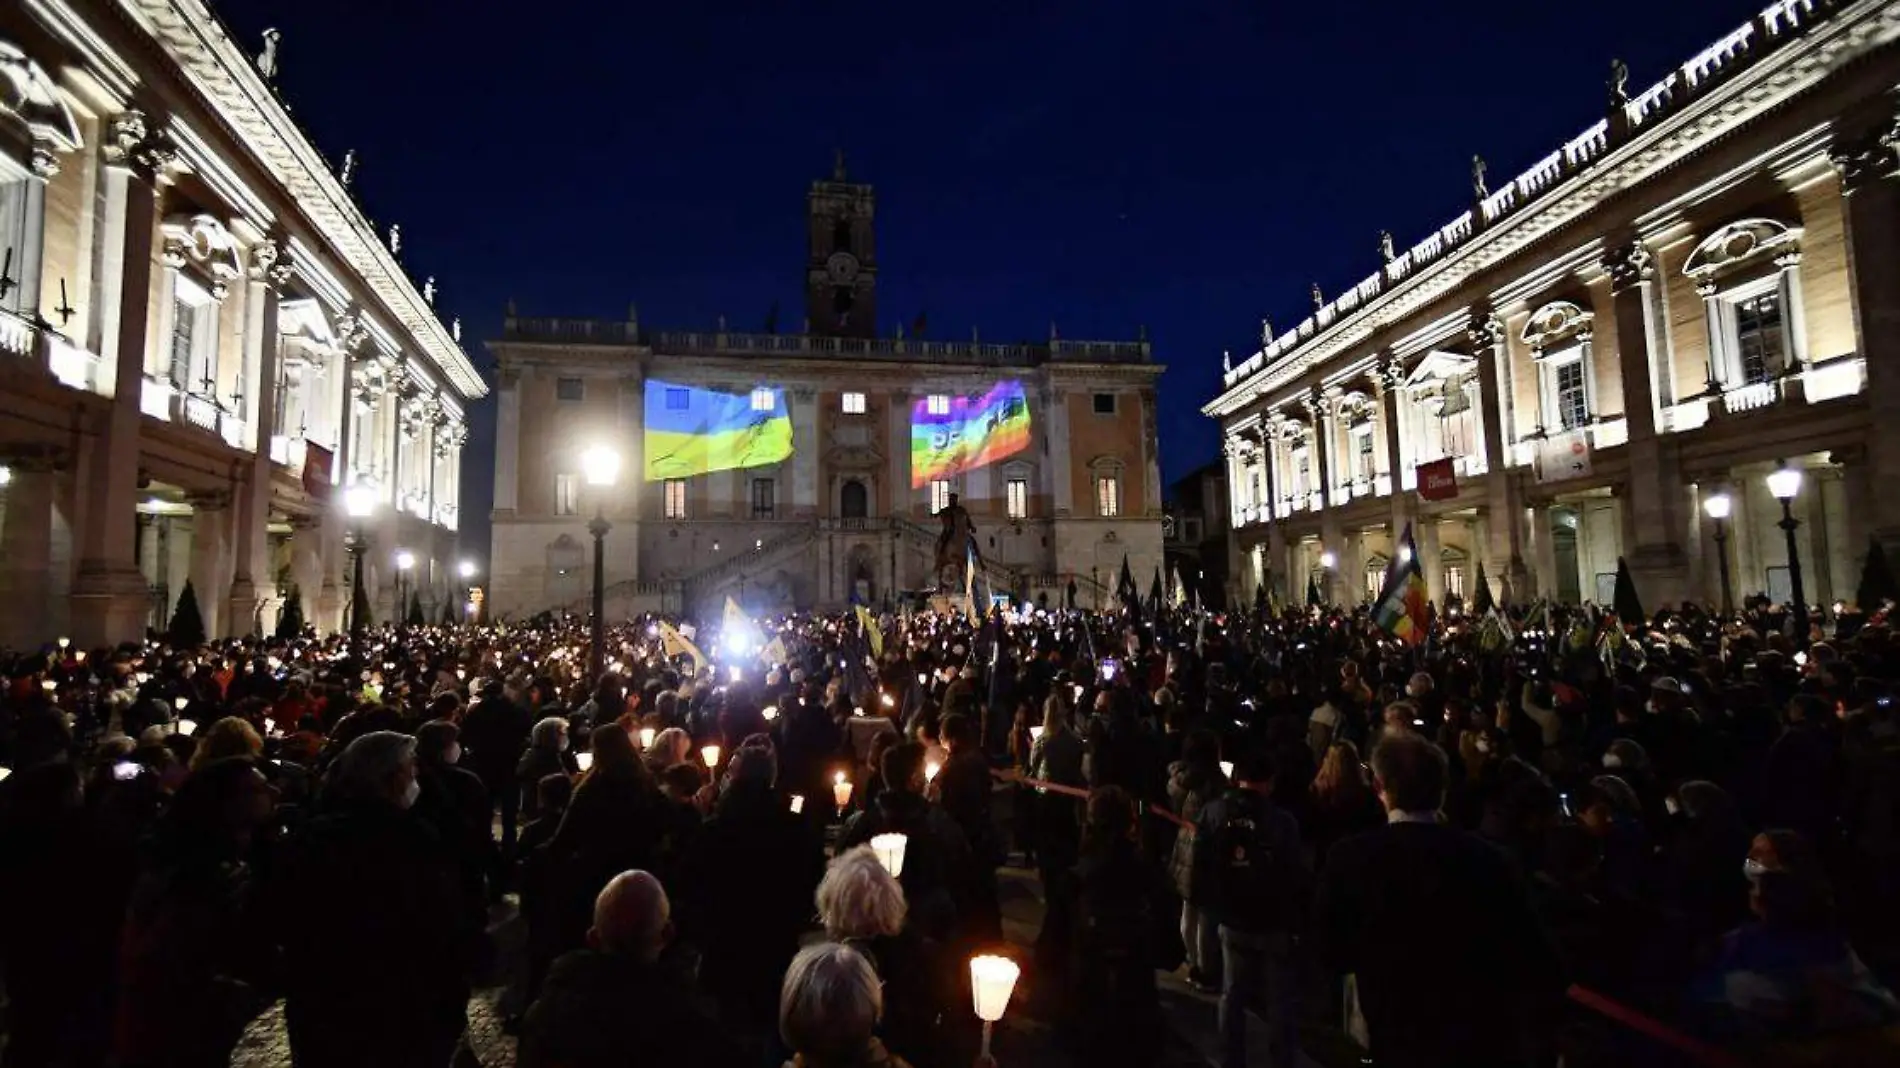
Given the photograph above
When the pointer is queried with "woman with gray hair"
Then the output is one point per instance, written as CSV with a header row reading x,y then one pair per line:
x,y
548,753
861,905
828,1010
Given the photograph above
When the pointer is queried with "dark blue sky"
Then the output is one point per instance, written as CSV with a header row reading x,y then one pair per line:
x,y
1187,165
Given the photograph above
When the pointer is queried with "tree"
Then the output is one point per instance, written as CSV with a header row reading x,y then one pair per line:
x,y
360,614
290,622
1629,610
1877,585
415,617
1481,602
187,629
448,611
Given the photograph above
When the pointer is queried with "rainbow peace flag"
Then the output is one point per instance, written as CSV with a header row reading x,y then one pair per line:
x,y
972,433
693,431
1400,610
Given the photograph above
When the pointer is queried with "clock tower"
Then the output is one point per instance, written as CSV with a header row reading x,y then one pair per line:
x,y
841,268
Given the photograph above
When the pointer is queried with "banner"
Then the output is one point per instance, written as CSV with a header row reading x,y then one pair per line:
x,y
693,431
1438,480
1563,456
318,462
971,432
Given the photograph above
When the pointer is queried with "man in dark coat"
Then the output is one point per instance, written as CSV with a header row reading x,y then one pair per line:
x,y
495,731
1453,967
937,861
379,939
745,887
624,999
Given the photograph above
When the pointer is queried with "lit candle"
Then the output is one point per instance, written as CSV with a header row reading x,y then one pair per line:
x,y
1035,734
48,685
583,760
840,791
179,703
930,770
798,803
890,852
65,642
857,711
889,702
770,713
646,737
710,754
1227,768
992,980
187,726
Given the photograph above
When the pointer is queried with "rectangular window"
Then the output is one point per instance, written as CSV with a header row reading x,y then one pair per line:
x,y
939,495
570,389
1365,465
184,331
854,404
13,235
1108,496
1104,404
567,494
1573,402
673,498
1303,473
678,400
1016,498
937,404
1759,339
761,399
1455,582
764,498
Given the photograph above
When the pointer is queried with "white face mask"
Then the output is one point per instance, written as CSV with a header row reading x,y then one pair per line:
x,y
1483,744
1611,760
1650,706
1753,869
410,793
454,755
1669,803
562,744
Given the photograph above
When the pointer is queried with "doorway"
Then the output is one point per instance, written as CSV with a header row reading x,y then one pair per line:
x,y
1563,544
854,501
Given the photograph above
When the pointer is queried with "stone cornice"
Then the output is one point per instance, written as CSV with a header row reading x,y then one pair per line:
x,y
1843,35
211,63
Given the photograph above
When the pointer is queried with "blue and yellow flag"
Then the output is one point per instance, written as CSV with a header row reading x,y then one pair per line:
x,y
1400,610
693,431
675,644
872,633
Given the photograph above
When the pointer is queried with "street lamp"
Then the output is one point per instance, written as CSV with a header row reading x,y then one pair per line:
x,y
601,465
405,560
359,500
1327,561
1784,482
1717,506
467,569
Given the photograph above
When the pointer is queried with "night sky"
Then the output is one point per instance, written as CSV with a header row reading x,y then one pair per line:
x,y
1086,163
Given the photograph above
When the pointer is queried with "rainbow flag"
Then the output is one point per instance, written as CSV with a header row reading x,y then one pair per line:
x,y
973,432
693,431
1400,609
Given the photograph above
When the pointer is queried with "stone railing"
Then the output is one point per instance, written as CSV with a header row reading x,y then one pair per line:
x,y
811,346
17,336
1775,25
1750,397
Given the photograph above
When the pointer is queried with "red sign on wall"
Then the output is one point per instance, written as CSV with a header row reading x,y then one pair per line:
x,y
1437,481
316,471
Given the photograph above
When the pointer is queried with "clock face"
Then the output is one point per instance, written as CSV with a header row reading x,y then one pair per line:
x,y
842,267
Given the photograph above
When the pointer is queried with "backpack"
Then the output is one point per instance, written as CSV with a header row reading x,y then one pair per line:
x,y
1254,881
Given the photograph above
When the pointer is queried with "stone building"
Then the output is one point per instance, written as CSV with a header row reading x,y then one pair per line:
x,y
1195,535
204,340
839,505
1695,290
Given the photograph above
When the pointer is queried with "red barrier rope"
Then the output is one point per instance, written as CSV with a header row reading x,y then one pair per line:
x,y
1077,791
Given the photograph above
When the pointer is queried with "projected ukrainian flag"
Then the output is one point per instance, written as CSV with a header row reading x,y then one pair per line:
x,y
953,434
693,431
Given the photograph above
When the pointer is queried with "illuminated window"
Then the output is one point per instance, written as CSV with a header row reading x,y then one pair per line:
x,y
1016,497
939,495
937,404
567,494
1108,495
1364,466
194,338
673,498
1573,406
762,399
1455,582
854,404
1759,337
764,498
1104,404
570,389
678,400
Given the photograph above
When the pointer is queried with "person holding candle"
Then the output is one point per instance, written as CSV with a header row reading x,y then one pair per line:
x,y
549,752
938,868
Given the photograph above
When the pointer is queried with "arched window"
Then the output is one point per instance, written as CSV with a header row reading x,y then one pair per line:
x,y
1559,338
841,236
1105,475
854,501
1748,275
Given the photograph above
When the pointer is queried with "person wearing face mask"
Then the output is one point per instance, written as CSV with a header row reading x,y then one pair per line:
x,y
549,752
377,935
454,803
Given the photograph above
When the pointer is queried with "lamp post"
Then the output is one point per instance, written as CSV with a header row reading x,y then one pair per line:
x,y
1784,482
1327,561
601,465
1717,506
405,561
467,570
359,501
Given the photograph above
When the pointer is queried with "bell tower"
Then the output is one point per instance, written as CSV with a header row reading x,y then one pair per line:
x,y
841,267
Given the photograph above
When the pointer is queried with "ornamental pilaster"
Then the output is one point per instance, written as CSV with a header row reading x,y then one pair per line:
x,y
1629,265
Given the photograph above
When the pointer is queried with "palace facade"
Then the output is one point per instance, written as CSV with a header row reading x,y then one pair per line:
x,y
1596,357
204,342
850,444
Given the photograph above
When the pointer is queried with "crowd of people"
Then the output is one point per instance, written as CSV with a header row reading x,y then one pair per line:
x,y
1423,845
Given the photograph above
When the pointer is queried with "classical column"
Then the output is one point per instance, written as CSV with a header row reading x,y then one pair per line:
x,y
1150,459
1274,485
507,442
804,488
1870,179
1237,490
109,594
254,597
26,548
29,260
306,564
1389,384
210,516
1656,559
1504,526
1062,489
